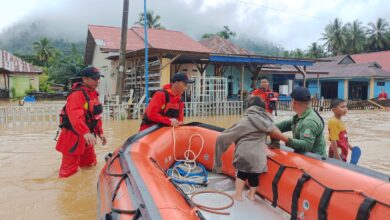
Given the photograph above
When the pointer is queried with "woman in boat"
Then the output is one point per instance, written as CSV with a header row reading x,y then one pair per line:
x,y
249,135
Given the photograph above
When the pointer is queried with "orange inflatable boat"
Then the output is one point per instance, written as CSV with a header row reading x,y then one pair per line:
x,y
134,183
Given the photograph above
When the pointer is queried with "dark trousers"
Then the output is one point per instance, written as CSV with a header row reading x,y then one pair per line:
x,y
253,178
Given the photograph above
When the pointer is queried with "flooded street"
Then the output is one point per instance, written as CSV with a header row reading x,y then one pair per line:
x,y
30,188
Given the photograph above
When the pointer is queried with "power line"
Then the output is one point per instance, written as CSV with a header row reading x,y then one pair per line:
x,y
277,9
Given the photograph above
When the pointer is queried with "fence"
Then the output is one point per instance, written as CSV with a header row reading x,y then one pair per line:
x,y
324,104
192,109
49,114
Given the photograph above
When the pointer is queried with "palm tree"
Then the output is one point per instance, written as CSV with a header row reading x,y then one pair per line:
x,y
44,50
356,35
315,51
335,37
378,39
152,21
297,53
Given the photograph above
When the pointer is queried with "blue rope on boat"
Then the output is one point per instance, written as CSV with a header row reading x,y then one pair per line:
x,y
188,176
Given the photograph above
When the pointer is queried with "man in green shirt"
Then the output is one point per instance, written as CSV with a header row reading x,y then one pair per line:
x,y
307,125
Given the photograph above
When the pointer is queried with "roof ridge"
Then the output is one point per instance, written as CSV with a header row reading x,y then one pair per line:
x,y
384,51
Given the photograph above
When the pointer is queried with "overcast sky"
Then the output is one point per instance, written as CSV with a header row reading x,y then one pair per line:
x,y
290,24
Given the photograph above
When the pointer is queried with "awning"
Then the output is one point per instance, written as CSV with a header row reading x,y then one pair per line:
x,y
261,60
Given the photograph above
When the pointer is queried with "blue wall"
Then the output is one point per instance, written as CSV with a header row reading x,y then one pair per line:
x,y
378,89
313,87
340,89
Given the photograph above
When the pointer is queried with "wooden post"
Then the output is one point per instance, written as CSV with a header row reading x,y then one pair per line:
x,y
122,54
318,85
242,83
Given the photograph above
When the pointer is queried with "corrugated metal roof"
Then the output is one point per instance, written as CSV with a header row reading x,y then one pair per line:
x,y
14,64
108,38
220,45
339,69
383,58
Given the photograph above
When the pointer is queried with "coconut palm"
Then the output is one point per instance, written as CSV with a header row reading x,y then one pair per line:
x,y
315,51
335,37
44,50
356,37
152,21
378,38
297,53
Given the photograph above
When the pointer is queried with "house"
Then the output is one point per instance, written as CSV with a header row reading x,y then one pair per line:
x,y
165,46
228,68
382,58
348,79
16,76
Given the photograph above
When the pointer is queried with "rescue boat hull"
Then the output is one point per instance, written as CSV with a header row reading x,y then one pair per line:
x,y
134,184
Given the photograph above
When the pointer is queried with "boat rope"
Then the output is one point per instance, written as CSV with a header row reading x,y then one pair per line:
x,y
187,170
215,210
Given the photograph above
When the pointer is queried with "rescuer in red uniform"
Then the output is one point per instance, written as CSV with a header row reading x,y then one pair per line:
x,y
268,97
166,106
80,123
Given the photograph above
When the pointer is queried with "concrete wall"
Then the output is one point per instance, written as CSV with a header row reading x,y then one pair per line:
x,y
108,83
23,82
378,89
192,70
2,83
313,87
341,89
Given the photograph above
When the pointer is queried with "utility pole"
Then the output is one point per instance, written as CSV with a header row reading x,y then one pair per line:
x,y
146,55
122,52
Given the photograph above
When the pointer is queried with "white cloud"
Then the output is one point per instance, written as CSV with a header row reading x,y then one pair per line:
x,y
291,24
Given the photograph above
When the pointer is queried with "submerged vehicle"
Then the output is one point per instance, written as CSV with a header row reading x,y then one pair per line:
x,y
135,182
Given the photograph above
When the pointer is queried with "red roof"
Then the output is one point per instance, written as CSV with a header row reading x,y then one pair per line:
x,y
220,45
13,64
108,38
383,58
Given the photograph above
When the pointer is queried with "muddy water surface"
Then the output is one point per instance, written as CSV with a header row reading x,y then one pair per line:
x,y
30,189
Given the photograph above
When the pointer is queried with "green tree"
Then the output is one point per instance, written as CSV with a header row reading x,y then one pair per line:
x,y
356,37
315,51
378,37
44,50
335,37
66,67
226,33
297,53
151,20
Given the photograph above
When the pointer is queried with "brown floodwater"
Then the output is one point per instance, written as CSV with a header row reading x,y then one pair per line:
x,y
30,189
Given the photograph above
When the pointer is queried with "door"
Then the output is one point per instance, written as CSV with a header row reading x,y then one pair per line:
x,y
329,90
358,90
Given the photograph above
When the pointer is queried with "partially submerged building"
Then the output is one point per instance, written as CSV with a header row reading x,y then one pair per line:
x,y
348,79
16,76
222,70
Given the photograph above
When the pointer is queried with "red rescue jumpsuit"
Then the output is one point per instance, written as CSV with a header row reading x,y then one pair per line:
x,y
75,151
158,111
263,95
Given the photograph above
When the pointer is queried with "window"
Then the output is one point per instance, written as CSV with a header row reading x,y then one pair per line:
x,y
381,83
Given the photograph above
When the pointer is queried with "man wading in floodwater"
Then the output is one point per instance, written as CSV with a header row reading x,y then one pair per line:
x,y
80,124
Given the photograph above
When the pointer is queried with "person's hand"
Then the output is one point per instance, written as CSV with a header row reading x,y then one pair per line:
x,y
91,140
174,122
275,144
104,139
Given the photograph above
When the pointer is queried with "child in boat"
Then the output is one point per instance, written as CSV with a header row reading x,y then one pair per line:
x,y
337,132
249,135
